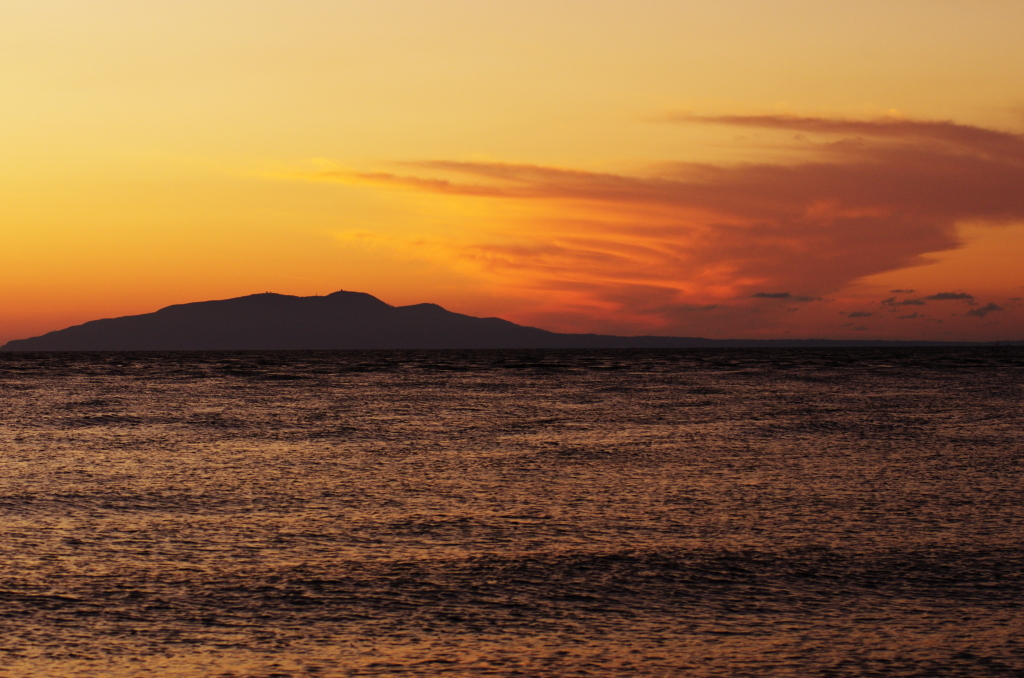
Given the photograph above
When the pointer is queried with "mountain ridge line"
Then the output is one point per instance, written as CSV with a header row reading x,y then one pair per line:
x,y
357,320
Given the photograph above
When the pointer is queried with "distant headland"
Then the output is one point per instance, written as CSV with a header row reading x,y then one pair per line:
x,y
355,320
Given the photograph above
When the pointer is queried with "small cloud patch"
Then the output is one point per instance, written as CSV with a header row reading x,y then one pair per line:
x,y
910,317
771,295
983,311
901,291
891,301
950,296
860,314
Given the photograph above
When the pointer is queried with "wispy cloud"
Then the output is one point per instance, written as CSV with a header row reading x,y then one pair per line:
x,y
983,311
978,139
891,301
874,196
950,296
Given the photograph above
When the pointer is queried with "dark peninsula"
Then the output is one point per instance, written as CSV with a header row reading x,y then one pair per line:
x,y
348,320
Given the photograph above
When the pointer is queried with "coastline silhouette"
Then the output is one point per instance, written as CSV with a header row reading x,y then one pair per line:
x,y
356,320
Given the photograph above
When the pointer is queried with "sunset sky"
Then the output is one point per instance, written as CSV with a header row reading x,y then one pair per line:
x,y
727,169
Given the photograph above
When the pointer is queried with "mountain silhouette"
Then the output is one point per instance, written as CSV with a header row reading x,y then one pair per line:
x,y
342,320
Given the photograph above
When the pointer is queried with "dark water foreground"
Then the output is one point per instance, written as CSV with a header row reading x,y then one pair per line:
x,y
533,513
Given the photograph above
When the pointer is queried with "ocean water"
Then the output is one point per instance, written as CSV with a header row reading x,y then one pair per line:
x,y
845,512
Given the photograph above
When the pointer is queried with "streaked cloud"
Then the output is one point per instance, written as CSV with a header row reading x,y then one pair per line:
x,y
869,196
983,311
950,296
891,301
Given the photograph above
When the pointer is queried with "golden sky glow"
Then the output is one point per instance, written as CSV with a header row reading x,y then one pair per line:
x,y
725,169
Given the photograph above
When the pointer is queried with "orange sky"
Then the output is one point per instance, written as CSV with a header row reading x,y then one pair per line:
x,y
727,169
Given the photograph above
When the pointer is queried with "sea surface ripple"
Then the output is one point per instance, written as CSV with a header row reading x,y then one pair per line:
x,y
713,512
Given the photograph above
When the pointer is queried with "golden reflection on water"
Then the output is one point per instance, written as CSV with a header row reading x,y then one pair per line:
x,y
705,513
